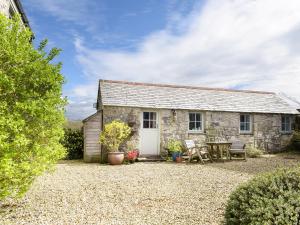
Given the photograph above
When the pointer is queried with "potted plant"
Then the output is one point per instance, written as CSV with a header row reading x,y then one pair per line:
x,y
175,148
132,155
296,140
112,136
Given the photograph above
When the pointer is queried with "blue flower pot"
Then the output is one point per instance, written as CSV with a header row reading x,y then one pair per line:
x,y
175,155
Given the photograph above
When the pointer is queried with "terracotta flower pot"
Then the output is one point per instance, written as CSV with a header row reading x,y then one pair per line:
x,y
179,159
115,158
175,155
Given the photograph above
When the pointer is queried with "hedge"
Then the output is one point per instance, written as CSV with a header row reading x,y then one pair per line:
x,y
73,142
271,198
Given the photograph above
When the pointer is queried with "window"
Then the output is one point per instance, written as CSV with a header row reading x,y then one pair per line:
x,y
286,125
195,122
245,123
149,120
11,12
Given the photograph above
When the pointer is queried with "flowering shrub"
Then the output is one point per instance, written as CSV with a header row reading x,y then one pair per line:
x,y
132,155
114,134
174,146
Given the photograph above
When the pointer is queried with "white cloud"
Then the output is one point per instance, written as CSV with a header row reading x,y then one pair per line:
x,y
80,12
233,44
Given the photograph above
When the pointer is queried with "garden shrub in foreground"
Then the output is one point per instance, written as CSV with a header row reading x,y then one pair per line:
x,y
271,198
31,108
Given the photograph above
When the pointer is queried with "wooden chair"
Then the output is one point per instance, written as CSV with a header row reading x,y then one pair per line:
x,y
237,148
194,151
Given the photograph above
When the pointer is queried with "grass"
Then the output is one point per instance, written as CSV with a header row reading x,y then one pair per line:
x,y
74,125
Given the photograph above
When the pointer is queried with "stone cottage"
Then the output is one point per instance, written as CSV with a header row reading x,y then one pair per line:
x,y
158,112
11,7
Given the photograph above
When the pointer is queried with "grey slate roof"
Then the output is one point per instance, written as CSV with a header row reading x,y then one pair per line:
x,y
145,95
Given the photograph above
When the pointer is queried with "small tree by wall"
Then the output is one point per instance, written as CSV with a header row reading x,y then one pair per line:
x,y
73,143
31,108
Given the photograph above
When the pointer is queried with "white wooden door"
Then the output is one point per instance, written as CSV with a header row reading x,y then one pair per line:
x,y
149,136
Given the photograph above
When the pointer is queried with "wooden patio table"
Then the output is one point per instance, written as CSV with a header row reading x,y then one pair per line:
x,y
220,146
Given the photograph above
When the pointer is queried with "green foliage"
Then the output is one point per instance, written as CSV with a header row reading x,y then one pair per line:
x,y
174,146
296,136
31,109
73,143
272,198
114,134
253,152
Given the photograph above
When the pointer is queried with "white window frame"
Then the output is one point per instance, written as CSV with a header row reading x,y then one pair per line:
x,y
201,121
250,125
150,120
290,124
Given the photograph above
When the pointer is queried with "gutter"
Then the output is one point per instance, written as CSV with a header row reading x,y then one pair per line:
x,y
22,12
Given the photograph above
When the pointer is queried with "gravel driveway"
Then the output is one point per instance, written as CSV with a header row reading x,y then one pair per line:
x,y
141,193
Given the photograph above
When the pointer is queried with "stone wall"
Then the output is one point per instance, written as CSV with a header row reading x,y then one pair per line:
x,y
4,7
8,8
127,115
266,127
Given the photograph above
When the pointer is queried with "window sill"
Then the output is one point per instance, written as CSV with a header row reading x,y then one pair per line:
x,y
195,132
246,133
286,132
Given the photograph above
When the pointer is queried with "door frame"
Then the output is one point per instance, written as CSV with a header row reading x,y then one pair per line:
x,y
158,128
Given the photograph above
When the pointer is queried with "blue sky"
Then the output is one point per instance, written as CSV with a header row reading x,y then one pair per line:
x,y
232,44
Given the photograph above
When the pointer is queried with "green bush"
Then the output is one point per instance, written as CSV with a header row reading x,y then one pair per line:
x,y
114,134
73,143
296,136
253,152
174,146
31,108
271,198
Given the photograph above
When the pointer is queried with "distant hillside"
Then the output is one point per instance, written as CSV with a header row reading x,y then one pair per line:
x,y
74,124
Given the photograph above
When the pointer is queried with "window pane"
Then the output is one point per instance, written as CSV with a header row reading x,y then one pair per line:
x,y
286,128
285,123
152,115
247,118
191,126
282,126
198,117
242,126
282,120
192,117
146,124
146,115
242,118
152,124
245,122
247,126
198,125
288,120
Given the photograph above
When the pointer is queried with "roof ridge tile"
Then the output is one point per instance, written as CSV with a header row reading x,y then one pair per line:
x,y
184,86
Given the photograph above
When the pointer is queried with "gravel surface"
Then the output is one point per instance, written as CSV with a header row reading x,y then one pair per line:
x,y
140,193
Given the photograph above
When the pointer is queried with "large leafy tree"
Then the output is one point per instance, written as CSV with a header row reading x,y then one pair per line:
x,y
31,108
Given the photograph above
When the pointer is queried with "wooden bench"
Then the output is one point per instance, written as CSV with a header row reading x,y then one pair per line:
x,y
237,148
194,151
